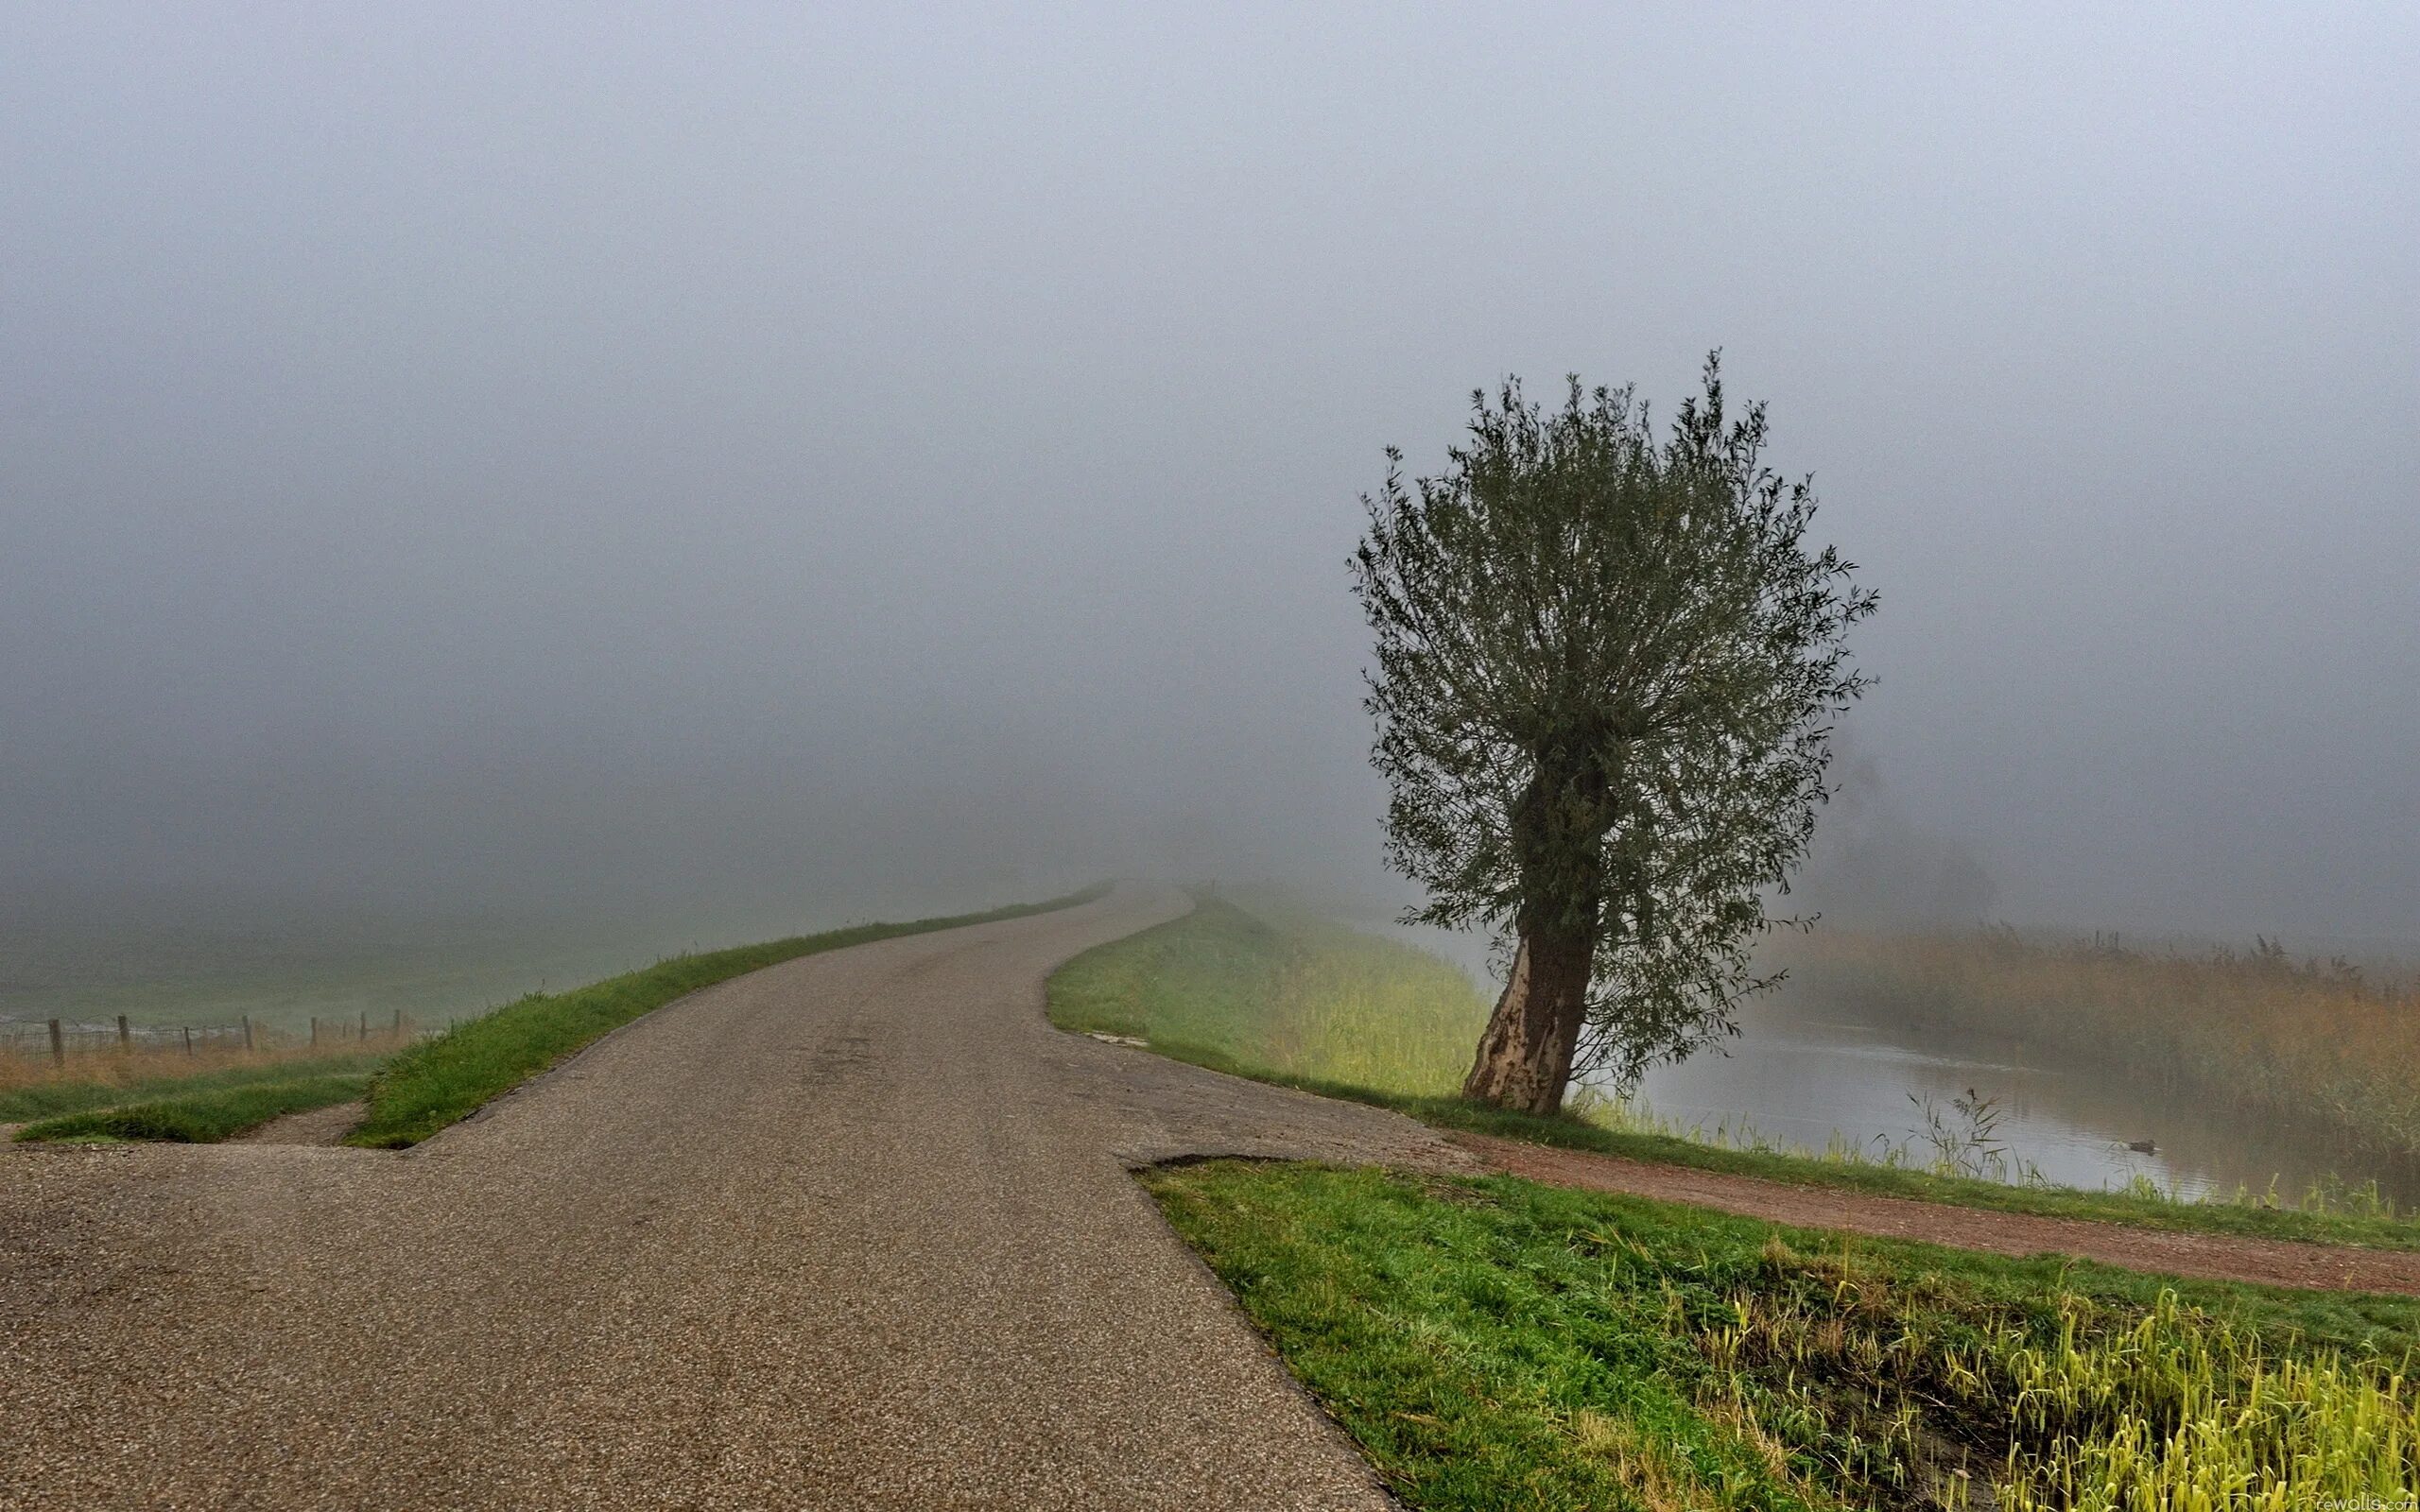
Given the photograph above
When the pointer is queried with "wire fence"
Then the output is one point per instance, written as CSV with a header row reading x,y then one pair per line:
x,y
61,1039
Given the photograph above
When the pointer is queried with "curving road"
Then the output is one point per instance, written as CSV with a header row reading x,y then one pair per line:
x,y
854,1231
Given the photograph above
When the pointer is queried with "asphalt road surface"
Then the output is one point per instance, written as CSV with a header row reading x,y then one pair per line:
x,y
854,1231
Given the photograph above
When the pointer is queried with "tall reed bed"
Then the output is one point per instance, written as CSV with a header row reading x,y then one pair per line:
x,y
2316,1043
2182,1410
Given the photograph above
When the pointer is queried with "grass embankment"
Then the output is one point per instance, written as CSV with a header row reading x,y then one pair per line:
x,y
1281,996
1496,1343
442,1080
2314,1042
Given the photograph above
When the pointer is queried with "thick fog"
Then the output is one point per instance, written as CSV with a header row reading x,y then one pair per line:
x,y
471,456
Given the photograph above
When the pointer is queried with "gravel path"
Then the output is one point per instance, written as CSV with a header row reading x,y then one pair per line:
x,y
2216,1257
854,1231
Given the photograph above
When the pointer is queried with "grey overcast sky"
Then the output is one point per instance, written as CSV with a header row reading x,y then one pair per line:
x,y
464,453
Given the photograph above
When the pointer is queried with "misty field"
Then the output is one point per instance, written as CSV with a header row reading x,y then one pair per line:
x,y
2315,1044
413,1085
190,963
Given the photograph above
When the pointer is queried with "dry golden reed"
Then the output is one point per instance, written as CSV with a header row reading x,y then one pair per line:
x,y
2318,1043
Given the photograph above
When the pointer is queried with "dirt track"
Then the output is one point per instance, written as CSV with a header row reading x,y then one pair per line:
x,y
2217,1257
854,1231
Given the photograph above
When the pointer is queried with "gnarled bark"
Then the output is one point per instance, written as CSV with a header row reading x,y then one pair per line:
x,y
1524,1061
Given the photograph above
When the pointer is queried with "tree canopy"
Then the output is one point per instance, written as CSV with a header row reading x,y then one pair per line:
x,y
1606,667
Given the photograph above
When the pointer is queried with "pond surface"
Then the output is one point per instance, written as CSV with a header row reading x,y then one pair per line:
x,y
1802,1073
1802,1078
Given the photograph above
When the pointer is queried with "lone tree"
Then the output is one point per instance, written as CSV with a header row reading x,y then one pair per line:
x,y
1605,668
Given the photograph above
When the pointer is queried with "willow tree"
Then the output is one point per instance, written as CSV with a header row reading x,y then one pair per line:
x,y
1606,664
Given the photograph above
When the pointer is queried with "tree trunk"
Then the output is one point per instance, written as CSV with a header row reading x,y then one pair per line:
x,y
1525,1056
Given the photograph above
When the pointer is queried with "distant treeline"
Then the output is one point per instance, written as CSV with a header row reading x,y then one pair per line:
x,y
2319,1043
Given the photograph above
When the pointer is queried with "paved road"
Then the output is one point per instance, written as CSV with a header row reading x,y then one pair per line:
x,y
854,1231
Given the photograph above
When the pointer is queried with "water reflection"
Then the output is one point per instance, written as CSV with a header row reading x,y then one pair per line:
x,y
1808,1082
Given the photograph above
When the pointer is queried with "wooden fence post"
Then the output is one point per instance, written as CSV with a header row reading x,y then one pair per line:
x,y
399,1023
315,1031
57,1043
364,1034
248,1031
125,1035
188,1038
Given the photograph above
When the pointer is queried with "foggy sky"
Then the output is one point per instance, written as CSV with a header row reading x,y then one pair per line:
x,y
481,454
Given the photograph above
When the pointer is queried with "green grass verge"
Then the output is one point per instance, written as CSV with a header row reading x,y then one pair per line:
x,y
1496,1343
1280,996
442,1080
203,1116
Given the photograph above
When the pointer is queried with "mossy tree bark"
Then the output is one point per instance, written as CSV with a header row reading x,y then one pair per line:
x,y
1525,1057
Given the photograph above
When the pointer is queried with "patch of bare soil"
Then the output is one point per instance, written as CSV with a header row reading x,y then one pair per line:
x,y
2213,1257
321,1125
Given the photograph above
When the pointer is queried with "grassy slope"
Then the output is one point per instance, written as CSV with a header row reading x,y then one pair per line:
x,y
55,1099
442,1080
1498,1343
1283,998
195,1116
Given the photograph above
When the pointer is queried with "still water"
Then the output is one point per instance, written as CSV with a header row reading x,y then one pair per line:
x,y
1805,1073
1797,1077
